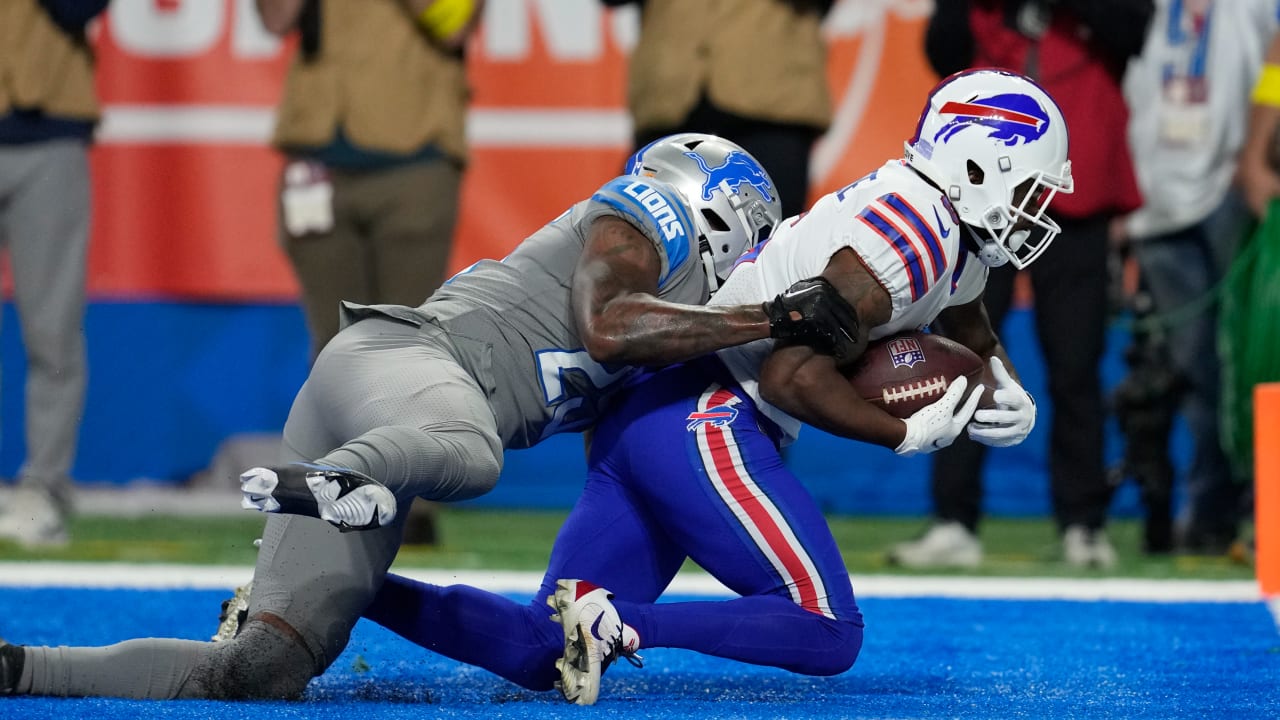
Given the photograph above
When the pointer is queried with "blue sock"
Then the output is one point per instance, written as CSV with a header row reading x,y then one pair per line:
x,y
516,641
762,630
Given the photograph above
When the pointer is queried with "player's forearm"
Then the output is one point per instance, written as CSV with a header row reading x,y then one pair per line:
x,y
640,329
808,387
1258,180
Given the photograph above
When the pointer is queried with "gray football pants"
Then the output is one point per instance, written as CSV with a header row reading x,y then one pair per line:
x,y
44,223
392,401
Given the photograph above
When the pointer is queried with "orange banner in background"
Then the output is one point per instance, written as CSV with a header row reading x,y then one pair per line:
x,y
185,184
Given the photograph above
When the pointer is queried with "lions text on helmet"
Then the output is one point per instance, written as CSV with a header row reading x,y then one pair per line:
x,y
996,144
732,198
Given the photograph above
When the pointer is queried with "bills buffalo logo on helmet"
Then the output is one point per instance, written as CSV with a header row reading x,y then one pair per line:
x,y
905,352
736,170
715,416
1010,117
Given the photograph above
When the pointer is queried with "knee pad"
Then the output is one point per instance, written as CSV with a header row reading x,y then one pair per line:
x,y
261,663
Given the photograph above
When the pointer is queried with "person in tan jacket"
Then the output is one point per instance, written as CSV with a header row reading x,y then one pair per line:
x,y
371,124
48,110
751,71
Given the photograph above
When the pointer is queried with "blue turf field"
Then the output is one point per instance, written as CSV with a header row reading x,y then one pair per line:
x,y
923,657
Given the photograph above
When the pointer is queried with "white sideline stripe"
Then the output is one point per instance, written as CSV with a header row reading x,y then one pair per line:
x,y
1273,604
610,129
252,125
118,575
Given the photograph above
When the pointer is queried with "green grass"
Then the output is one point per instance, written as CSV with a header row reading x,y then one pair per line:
x,y
521,540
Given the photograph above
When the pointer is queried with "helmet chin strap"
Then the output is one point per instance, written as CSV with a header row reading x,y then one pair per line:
x,y
988,251
708,264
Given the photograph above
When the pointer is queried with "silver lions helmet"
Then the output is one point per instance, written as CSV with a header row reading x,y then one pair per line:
x,y
732,199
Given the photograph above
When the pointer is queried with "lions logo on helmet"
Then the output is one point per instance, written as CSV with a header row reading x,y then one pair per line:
x,y
738,168
996,143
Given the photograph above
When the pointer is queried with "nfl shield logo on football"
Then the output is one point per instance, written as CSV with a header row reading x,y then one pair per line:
x,y
905,352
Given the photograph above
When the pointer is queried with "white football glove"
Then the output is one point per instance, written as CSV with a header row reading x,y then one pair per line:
x,y
1011,420
937,424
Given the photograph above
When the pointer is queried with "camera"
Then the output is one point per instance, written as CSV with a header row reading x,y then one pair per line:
x,y
1144,404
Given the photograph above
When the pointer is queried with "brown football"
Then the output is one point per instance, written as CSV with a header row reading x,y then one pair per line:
x,y
905,372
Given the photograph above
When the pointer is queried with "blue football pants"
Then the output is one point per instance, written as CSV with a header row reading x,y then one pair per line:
x,y
683,466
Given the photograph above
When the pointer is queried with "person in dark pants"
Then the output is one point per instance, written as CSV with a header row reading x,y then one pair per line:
x,y
686,75
1077,49
783,149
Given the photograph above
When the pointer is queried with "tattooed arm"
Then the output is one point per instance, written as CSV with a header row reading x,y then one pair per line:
x,y
621,319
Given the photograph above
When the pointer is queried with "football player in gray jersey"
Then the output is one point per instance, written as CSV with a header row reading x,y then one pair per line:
x,y
426,399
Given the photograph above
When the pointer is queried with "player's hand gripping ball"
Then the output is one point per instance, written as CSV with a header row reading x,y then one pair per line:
x,y
905,372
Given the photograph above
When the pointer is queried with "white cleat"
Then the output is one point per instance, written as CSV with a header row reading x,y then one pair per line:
x,y
594,636
235,610
944,545
34,520
1088,548
346,499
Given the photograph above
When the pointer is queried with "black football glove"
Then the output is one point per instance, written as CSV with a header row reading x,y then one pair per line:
x,y
827,322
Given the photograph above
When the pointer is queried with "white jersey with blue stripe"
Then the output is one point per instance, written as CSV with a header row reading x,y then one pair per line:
x,y
903,229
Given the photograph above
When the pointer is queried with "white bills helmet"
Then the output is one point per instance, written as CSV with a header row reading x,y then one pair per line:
x,y
996,144
732,199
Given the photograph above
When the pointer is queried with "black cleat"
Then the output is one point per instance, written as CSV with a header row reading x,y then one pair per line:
x,y
345,499
12,658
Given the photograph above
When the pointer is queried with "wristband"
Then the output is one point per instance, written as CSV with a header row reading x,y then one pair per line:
x,y
1267,90
444,18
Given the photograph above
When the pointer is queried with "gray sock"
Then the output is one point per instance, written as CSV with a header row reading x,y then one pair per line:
x,y
148,668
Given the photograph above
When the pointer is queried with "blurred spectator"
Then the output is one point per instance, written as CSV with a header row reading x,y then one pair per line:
x,y
1076,49
1259,172
48,109
1251,298
1188,93
751,71
372,126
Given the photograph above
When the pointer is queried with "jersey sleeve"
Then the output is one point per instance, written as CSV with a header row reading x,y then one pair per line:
x,y
903,247
656,210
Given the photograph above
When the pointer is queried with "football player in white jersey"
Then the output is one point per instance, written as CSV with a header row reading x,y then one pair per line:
x,y
686,464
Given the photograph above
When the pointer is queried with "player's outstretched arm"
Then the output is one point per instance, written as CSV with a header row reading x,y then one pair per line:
x,y
813,312
620,317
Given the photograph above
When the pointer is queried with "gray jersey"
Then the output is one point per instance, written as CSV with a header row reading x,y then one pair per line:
x,y
511,323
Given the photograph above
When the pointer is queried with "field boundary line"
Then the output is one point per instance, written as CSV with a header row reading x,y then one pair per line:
x,y
169,576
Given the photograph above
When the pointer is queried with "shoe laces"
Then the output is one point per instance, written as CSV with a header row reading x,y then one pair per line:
x,y
617,648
